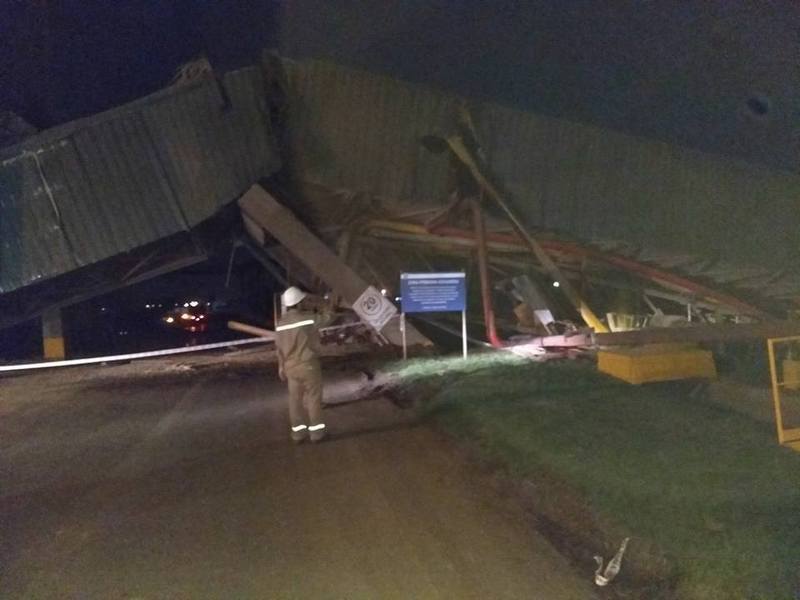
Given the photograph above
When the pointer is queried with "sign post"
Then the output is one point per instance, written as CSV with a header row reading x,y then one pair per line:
x,y
434,292
403,332
374,309
464,333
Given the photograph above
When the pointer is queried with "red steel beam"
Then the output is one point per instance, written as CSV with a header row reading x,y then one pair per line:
x,y
627,264
483,271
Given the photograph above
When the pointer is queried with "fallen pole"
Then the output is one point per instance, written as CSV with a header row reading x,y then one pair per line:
x,y
699,333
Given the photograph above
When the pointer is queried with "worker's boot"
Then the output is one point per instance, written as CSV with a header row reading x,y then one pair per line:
x,y
299,434
316,433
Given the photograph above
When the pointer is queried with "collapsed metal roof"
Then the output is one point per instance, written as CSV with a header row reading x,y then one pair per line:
x,y
711,218
103,186
113,182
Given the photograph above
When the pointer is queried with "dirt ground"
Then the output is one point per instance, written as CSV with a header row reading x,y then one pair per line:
x,y
162,480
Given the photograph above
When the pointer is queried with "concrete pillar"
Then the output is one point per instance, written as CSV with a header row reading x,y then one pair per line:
x,y
53,335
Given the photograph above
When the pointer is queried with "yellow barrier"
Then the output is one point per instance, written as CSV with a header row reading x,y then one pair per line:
x,y
790,380
657,362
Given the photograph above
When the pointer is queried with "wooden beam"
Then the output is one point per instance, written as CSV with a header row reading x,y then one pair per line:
x,y
264,210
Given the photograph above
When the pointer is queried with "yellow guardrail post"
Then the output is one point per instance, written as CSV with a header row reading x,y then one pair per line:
x,y
787,437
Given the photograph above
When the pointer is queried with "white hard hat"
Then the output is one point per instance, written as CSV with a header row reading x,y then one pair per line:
x,y
293,296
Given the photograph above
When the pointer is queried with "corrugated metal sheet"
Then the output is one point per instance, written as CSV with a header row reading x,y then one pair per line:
x,y
354,130
104,185
360,131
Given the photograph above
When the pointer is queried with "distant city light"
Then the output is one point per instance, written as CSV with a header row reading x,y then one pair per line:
x,y
194,303
170,319
186,316
185,305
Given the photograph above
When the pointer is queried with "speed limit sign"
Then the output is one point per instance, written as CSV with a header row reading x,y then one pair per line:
x,y
374,309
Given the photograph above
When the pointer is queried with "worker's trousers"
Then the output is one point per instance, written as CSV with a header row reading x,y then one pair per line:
x,y
305,401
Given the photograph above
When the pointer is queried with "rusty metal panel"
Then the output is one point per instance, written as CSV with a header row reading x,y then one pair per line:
x,y
107,184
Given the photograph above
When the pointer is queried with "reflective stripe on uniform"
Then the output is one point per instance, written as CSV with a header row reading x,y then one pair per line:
x,y
317,427
295,325
297,428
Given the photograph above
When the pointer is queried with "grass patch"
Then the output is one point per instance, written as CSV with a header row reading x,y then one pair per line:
x,y
706,485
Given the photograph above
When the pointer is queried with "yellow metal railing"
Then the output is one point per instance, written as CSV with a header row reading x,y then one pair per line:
x,y
789,379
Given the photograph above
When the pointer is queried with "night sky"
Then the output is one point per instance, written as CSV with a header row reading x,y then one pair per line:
x,y
68,59
720,76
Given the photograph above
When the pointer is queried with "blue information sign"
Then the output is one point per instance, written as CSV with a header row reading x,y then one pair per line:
x,y
433,292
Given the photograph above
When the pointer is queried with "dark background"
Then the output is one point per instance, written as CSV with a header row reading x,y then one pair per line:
x,y
719,75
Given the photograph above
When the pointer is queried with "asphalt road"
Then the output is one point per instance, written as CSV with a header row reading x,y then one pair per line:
x,y
148,482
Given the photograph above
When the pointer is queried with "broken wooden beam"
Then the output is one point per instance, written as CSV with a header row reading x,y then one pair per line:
x,y
267,213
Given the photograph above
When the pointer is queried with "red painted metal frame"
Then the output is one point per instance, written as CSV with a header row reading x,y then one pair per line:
x,y
642,270
483,269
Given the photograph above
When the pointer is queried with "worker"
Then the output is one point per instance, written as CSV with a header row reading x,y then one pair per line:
x,y
297,342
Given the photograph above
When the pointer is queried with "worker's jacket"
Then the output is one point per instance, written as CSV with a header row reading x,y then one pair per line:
x,y
297,339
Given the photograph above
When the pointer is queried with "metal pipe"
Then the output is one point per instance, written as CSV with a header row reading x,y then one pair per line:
x,y
700,333
483,271
506,242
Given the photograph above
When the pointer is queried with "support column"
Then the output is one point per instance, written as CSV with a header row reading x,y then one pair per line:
x,y
483,271
52,335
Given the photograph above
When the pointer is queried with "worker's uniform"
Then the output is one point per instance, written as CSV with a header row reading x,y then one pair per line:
x,y
297,342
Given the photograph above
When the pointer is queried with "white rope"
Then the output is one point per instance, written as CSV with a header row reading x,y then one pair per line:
x,y
133,356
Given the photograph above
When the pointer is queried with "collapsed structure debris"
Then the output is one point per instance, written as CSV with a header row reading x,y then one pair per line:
x,y
376,177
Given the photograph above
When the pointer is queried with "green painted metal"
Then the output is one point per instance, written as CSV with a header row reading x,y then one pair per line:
x,y
360,131
97,187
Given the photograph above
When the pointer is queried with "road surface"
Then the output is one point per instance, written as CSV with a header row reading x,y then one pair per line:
x,y
154,481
